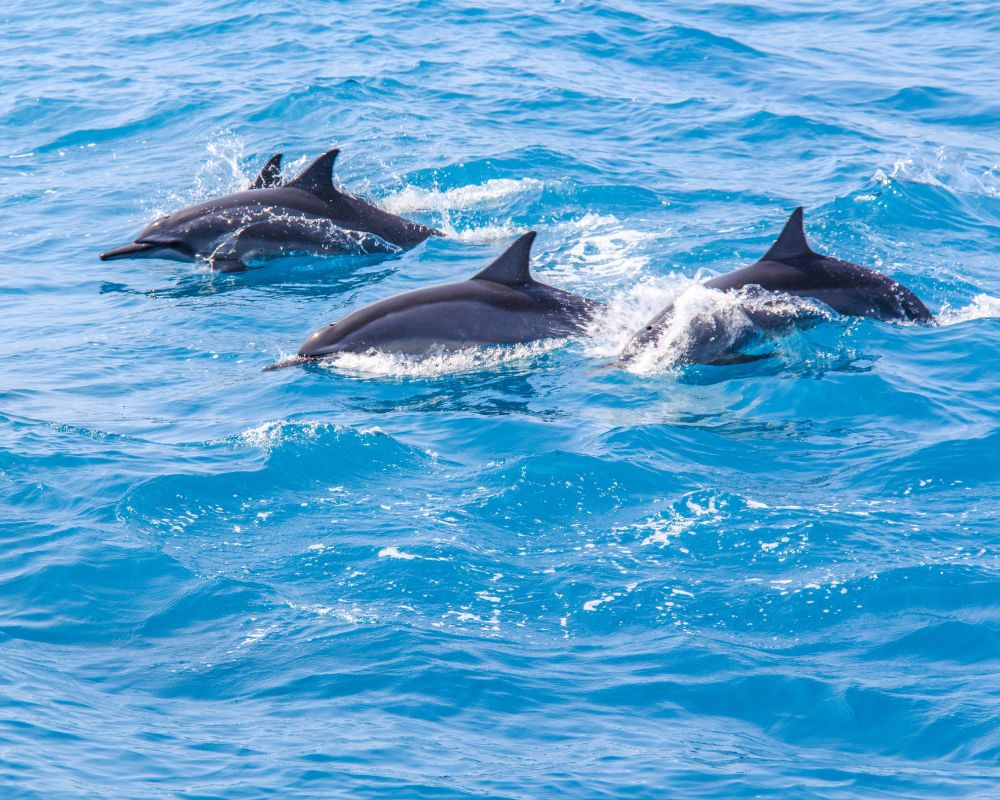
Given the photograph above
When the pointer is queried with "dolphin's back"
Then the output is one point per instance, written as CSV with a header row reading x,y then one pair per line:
x,y
463,314
352,212
222,214
791,267
501,304
307,212
847,288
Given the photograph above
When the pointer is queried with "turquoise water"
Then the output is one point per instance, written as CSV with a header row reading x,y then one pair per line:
x,y
516,574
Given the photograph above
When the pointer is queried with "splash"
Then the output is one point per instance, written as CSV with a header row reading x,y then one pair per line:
x,y
602,250
983,306
705,325
271,434
378,364
703,320
627,311
946,168
494,193
222,172
412,199
484,234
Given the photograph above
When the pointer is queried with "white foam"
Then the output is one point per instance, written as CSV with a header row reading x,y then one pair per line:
x,y
256,635
601,251
268,435
395,552
495,191
983,306
352,616
627,311
473,359
591,605
485,234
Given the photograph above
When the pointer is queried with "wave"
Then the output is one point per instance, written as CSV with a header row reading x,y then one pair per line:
x,y
946,167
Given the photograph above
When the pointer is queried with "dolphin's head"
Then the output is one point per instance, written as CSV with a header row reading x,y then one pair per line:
x,y
374,327
642,339
326,341
159,240
648,335
911,306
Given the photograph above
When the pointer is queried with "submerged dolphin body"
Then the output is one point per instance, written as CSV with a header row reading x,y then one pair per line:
x,y
502,304
790,267
271,218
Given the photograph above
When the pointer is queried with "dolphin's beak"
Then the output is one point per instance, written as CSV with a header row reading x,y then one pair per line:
x,y
290,362
129,251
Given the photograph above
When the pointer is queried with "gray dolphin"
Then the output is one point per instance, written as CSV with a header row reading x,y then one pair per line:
x,y
270,218
269,175
791,267
502,304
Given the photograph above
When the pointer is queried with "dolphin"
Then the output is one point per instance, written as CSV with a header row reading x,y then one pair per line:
x,y
791,267
269,175
502,304
272,217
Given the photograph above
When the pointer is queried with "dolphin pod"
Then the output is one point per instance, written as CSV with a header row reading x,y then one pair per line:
x,y
273,217
503,303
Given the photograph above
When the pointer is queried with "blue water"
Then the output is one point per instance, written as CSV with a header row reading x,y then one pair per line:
x,y
515,574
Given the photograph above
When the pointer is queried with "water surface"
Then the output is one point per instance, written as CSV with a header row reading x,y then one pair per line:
x,y
513,574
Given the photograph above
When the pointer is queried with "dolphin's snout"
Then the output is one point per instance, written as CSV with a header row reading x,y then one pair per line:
x,y
132,250
294,361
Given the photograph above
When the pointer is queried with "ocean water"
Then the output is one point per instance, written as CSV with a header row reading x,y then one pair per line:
x,y
513,573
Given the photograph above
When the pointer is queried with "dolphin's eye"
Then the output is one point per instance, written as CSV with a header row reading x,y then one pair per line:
x,y
649,327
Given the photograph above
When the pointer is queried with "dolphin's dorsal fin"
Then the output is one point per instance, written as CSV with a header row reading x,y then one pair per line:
x,y
511,266
317,178
791,242
269,175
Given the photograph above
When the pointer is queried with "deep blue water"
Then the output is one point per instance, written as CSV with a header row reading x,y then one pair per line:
x,y
510,574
